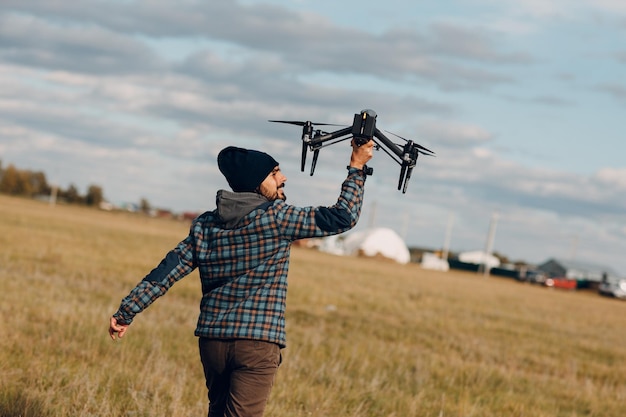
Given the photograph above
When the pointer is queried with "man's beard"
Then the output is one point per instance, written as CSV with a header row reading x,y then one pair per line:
x,y
275,195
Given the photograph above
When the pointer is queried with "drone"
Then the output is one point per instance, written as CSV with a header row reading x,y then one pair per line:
x,y
363,130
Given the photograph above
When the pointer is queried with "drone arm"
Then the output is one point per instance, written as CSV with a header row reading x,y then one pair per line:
x,y
388,143
317,141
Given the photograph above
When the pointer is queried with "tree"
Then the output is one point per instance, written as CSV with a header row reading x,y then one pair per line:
x,y
23,182
144,206
24,187
38,182
71,195
94,196
10,181
14,181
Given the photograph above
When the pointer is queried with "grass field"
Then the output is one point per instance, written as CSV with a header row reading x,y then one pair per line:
x,y
366,337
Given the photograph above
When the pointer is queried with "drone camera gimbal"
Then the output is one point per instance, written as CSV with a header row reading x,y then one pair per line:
x,y
363,130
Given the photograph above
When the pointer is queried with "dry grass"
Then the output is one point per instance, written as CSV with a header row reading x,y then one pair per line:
x,y
366,337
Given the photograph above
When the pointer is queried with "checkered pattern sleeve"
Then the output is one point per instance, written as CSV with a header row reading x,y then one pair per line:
x,y
307,222
177,264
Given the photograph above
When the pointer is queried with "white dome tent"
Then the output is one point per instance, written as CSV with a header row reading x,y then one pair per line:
x,y
371,242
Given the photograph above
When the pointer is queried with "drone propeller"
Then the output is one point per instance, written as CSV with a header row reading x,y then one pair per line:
x,y
298,123
421,149
307,134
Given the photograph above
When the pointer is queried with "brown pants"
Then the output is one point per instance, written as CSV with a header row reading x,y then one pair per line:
x,y
239,375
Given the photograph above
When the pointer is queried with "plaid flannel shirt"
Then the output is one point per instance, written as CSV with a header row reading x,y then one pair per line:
x,y
244,269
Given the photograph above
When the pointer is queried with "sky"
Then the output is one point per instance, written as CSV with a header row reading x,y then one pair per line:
x,y
521,100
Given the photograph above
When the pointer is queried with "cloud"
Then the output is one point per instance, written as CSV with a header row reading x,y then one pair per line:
x,y
615,90
453,134
139,96
612,178
450,55
32,41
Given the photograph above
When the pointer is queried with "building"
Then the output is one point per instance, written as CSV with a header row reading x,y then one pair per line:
x,y
585,273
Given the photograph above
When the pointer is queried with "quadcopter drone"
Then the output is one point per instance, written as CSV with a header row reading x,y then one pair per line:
x,y
363,130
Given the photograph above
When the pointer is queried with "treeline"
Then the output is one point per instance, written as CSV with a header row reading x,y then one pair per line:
x,y
27,183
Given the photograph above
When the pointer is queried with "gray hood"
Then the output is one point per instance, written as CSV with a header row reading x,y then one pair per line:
x,y
232,207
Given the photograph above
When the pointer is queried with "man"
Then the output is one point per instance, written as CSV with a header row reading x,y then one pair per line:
x,y
242,252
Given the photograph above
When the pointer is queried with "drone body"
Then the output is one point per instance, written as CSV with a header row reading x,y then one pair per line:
x,y
363,130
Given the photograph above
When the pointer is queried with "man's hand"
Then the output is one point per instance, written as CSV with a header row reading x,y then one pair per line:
x,y
361,154
117,329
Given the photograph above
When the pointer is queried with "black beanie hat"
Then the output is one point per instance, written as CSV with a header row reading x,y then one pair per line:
x,y
244,169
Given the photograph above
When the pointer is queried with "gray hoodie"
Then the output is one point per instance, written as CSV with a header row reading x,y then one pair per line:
x,y
232,207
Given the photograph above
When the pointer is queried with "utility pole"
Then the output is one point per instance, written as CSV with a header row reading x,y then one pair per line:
x,y
446,242
53,195
491,235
